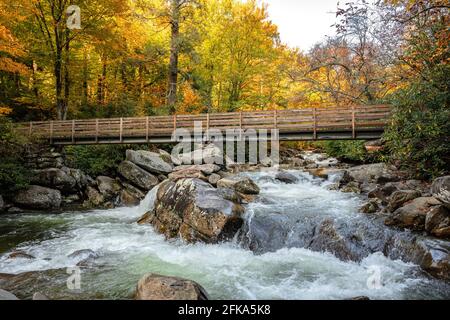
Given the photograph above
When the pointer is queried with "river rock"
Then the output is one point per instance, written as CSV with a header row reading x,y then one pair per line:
x,y
370,207
437,222
413,214
286,177
378,173
83,257
150,161
240,184
383,192
37,197
39,296
137,176
54,178
158,287
20,255
193,210
95,198
214,178
108,187
206,169
441,190
5,295
186,174
209,153
352,187
399,198
131,196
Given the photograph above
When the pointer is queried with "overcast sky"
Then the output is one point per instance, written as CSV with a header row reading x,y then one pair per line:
x,y
302,23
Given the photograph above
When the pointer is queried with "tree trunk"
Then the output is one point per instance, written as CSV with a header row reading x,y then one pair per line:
x,y
59,84
174,52
66,76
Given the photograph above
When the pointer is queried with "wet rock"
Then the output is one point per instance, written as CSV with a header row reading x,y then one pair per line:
x,y
128,199
150,161
137,176
378,173
20,255
370,207
108,187
440,189
286,177
5,295
158,287
214,178
399,198
412,215
39,296
229,194
240,184
135,192
187,173
193,210
95,198
437,222
37,197
351,187
206,169
84,257
383,192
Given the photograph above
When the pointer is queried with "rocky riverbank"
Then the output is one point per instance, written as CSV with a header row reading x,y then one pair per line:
x,y
401,218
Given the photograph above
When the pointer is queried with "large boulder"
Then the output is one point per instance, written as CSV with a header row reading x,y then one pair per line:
x,y
137,176
240,184
108,187
55,178
150,161
209,153
158,287
440,189
399,198
37,197
413,214
194,211
437,222
378,173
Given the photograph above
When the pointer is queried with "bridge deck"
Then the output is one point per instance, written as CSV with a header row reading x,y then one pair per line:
x,y
359,122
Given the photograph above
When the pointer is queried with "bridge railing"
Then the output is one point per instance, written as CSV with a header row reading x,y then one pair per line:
x,y
314,120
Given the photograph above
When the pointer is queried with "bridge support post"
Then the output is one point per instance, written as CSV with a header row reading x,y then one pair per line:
x,y
121,130
73,131
31,129
147,129
51,132
315,124
353,123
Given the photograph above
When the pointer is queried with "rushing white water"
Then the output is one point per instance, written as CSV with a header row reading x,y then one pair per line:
x,y
227,271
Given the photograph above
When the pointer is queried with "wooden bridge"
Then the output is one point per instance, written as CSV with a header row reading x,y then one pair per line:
x,y
358,122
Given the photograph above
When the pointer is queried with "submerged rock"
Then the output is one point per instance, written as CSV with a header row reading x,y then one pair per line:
x,y
195,211
150,161
158,287
137,176
37,197
20,255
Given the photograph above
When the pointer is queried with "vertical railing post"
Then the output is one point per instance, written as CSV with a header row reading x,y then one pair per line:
x,y
73,131
241,124
315,124
51,132
174,122
96,130
31,128
147,129
275,119
121,130
207,127
353,123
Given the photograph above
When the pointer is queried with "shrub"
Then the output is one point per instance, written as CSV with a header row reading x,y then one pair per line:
x,y
345,150
418,135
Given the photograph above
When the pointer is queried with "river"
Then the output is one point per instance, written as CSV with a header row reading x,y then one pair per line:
x,y
227,271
